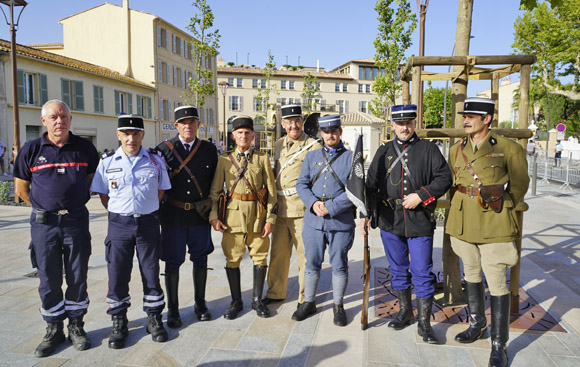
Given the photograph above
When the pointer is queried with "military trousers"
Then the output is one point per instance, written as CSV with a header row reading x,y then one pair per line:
x,y
287,233
125,235
234,247
63,240
493,258
417,269
197,239
338,242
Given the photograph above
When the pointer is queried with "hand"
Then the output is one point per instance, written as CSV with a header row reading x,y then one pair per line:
x,y
218,225
365,226
267,229
411,201
319,209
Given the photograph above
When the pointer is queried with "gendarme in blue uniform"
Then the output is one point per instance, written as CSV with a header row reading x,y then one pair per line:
x,y
59,180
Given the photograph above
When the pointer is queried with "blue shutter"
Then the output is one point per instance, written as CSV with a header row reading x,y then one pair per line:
x,y
139,106
130,102
148,107
117,103
21,90
79,97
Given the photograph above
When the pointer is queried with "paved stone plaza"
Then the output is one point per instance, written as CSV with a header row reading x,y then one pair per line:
x,y
550,274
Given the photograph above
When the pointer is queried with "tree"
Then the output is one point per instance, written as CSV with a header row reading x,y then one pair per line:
x,y
263,95
433,106
310,92
531,4
205,45
393,39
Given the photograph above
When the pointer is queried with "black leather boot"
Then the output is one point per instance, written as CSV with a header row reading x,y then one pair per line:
x,y
477,320
171,287
257,304
304,310
156,329
236,305
339,315
53,338
405,315
500,328
120,331
424,309
199,282
77,335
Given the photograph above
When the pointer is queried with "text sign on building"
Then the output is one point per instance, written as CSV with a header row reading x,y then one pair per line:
x,y
167,126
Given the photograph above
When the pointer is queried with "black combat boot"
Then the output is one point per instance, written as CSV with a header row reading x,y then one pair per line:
x,y
477,320
120,331
199,282
171,288
77,335
257,304
500,328
53,338
424,309
156,329
405,315
236,305
339,315
304,310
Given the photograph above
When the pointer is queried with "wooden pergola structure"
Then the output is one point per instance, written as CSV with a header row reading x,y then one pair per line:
x,y
472,70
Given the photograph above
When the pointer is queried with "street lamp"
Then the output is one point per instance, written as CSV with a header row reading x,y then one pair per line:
x,y
13,26
224,89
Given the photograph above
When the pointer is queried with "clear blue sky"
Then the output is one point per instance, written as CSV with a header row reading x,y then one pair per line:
x,y
333,32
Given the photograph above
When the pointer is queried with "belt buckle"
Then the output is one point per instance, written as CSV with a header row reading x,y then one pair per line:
x,y
471,191
62,212
136,215
187,206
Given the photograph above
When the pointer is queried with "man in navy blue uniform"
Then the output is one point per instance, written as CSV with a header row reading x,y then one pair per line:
x,y
329,217
130,182
53,174
185,211
404,180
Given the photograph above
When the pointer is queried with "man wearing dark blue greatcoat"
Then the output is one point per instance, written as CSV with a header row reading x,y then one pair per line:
x,y
329,217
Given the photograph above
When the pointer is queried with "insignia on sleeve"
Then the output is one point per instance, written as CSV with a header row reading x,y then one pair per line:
x,y
155,151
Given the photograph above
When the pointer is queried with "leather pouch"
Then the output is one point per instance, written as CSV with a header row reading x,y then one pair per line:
x,y
492,196
222,206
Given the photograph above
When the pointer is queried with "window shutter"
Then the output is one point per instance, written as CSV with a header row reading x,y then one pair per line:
x,y
20,75
43,88
345,107
65,91
130,102
139,105
168,74
230,103
241,103
117,103
149,107
79,97
96,101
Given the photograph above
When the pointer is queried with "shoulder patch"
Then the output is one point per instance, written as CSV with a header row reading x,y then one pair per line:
x,y
492,141
108,154
155,151
464,142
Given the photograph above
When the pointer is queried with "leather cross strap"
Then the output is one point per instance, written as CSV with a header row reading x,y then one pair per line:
x,y
328,166
294,157
404,164
241,172
183,164
469,168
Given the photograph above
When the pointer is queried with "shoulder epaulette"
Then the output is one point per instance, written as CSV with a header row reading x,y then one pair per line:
x,y
492,141
107,154
155,151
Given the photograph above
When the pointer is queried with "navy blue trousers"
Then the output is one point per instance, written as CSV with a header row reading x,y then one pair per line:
x,y
338,242
64,240
125,235
420,266
197,239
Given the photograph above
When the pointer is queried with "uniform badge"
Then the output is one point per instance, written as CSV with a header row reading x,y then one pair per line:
x,y
113,184
41,159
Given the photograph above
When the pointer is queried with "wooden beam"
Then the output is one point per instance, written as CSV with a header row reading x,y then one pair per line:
x,y
479,60
460,133
416,84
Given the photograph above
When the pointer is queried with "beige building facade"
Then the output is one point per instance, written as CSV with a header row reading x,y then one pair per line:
x,y
507,96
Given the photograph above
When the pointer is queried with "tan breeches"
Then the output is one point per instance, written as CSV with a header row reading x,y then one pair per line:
x,y
234,247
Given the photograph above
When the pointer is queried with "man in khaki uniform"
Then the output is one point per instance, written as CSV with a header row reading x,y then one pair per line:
x,y
290,153
248,223
491,177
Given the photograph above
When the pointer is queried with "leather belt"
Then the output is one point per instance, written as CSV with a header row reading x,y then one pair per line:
x,y
392,203
179,204
471,191
245,197
324,198
287,192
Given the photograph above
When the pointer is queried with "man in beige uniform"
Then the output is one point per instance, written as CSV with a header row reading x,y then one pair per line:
x,y
248,223
491,176
290,153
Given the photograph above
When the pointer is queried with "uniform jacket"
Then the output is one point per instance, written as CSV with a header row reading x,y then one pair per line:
x,y
291,206
202,165
245,216
431,174
340,208
498,161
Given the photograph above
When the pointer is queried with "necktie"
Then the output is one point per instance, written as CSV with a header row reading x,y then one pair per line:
x,y
186,147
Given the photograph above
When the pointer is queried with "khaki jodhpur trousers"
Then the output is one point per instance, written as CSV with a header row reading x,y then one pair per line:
x,y
234,247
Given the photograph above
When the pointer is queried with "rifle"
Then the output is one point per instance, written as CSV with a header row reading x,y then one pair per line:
x,y
366,280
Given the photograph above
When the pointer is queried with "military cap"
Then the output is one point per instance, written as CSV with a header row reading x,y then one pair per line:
x,y
291,110
330,122
243,121
478,106
185,112
130,122
404,112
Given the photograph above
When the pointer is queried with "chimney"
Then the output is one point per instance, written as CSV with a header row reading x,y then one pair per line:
x,y
127,11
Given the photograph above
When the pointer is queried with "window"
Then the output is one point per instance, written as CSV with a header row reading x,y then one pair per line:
x,y
263,83
293,100
163,74
282,101
231,82
144,106
282,84
98,100
368,88
182,76
361,72
176,44
342,105
344,87
239,80
363,106
257,104
236,103
369,72
175,78
291,84
32,88
361,88
168,74
123,103
337,87
73,94
32,132
318,85
162,37
254,83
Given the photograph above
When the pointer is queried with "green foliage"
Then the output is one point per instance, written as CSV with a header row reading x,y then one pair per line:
x,y
205,46
263,95
4,190
310,92
531,4
433,107
394,37
506,125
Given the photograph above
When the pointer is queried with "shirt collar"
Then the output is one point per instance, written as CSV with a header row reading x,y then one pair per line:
x,y
119,153
191,143
44,139
411,140
339,148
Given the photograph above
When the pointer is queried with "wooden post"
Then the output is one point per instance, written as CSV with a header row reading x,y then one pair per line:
x,y
524,108
416,85
405,83
495,97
